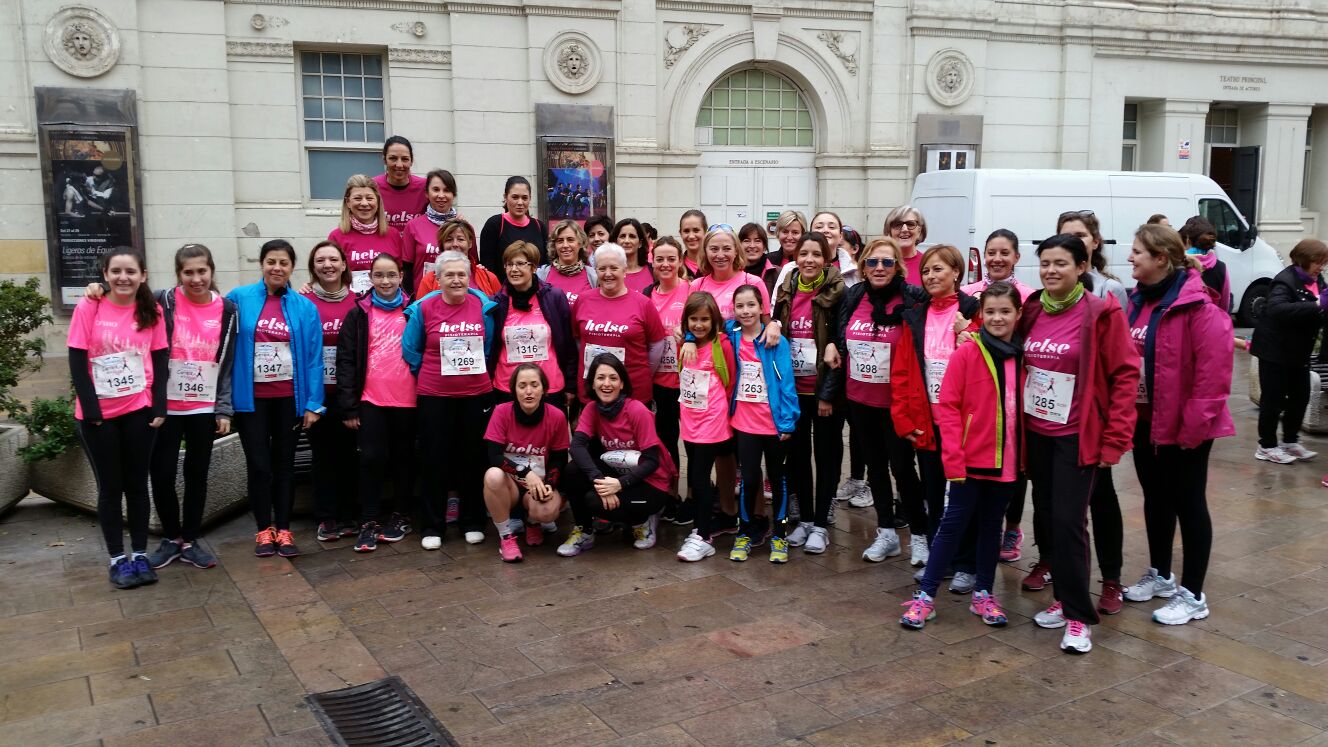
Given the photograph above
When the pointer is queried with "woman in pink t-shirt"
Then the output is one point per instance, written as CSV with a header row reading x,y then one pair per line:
x,y
612,319
908,228
118,358
631,236
720,271
364,232
419,239
402,191
704,384
620,471
692,228
534,326
669,294
567,269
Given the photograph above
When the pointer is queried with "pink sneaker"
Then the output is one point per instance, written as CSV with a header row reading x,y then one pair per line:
x,y
534,535
508,549
919,611
984,605
1011,544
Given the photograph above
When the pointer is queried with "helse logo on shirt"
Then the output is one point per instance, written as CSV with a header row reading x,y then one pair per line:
x,y
618,443
460,328
605,327
401,217
332,325
528,449
864,326
273,325
801,325
1138,335
362,256
1047,346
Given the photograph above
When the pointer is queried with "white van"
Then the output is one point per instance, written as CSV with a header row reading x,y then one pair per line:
x,y
963,207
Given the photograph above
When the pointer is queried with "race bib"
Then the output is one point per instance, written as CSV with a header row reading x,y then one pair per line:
x,y
533,461
804,355
935,375
273,362
751,384
526,344
869,362
622,460
192,381
461,356
118,374
359,281
593,350
1048,394
1142,398
694,388
329,365
669,362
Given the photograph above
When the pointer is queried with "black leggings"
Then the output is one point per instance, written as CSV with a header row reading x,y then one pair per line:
x,y
386,443
453,439
1175,484
332,446
858,457
1108,526
825,437
119,450
1062,491
268,435
635,504
668,419
889,453
932,474
1285,393
197,431
1014,513
700,463
752,448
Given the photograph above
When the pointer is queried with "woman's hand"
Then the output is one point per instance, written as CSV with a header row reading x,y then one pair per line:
x,y
156,422
824,409
310,417
95,291
352,423
537,488
773,332
961,323
306,289
223,425
913,437
831,356
785,436
964,337
687,353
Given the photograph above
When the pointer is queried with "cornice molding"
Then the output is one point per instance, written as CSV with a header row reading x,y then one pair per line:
x,y
268,51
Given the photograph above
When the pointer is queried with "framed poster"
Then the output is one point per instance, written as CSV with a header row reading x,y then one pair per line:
x,y
576,178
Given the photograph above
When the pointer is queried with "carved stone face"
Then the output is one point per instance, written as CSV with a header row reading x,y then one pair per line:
x,y
81,43
950,77
572,61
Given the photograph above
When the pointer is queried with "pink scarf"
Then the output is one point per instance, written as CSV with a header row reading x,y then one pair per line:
x,y
365,228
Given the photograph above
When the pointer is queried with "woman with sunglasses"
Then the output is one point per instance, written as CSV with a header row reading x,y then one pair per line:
x,y
908,228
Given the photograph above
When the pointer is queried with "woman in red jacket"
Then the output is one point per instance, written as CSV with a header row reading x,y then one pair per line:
x,y
1185,341
978,417
1081,368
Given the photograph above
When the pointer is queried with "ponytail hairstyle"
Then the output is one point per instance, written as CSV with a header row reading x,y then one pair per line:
x,y
146,312
195,251
694,213
1097,260
699,302
515,181
345,266
1159,240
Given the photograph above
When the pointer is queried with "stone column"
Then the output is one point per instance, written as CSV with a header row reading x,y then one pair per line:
x,y
1163,124
1279,131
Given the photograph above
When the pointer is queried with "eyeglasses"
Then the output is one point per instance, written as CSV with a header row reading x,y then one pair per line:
x,y
721,227
1075,215
879,262
911,225
518,265
385,276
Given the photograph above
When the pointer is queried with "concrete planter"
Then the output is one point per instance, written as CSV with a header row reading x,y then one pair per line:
x,y
68,479
13,470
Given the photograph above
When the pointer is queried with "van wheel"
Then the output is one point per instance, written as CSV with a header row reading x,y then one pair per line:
x,y
1251,304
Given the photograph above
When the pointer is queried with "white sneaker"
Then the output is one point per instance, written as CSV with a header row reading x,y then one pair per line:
x,y
1078,638
474,538
578,541
550,527
694,548
849,489
1276,455
917,547
885,546
432,542
1151,585
830,519
862,499
963,583
1300,453
1051,617
817,541
1182,608
645,533
798,537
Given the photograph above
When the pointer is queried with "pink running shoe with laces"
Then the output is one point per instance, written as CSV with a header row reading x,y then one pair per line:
x,y
984,605
508,549
921,609
534,535
1011,545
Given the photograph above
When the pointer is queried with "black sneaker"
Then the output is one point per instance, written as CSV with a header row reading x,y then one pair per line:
x,y
143,572
197,556
395,530
122,574
286,544
167,551
348,529
726,524
328,531
686,514
900,521
265,542
670,511
368,540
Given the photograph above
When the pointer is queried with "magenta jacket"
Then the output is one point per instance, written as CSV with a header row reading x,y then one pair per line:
x,y
1190,366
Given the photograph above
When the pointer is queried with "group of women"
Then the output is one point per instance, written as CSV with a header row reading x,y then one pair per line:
x,y
515,373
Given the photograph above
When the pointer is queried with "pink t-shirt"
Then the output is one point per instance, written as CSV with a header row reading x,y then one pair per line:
x,y
632,430
1051,356
638,281
419,247
573,286
752,412
723,291
331,315
1143,401
625,326
802,341
870,350
361,249
526,338
669,306
453,362
938,345
195,340
402,204
387,379
116,349
525,444
913,268
272,329
703,399
975,289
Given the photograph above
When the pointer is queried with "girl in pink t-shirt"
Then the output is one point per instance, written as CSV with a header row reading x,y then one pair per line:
x,y
118,355
704,385
364,231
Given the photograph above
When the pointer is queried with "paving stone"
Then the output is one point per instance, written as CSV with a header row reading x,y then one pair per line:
x,y
196,670
1237,722
44,699
766,720
240,728
904,725
101,721
1189,687
18,675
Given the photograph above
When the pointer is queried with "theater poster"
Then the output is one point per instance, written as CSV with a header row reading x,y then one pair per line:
x,y
576,178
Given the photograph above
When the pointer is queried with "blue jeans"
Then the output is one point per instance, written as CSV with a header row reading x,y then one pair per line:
x,y
980,501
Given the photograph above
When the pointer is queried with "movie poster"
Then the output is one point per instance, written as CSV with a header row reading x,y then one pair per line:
x,y
577,179
91,204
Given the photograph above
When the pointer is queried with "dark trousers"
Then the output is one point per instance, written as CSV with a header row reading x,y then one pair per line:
x,y
332,446
668,419
119,450
454,450
700,463
887,453
752,448
1175,485
197,432
1285,395
979,504
1108,526
932,474
268,435
386,443
635,503
823,436
1062,491
857,449
1014,513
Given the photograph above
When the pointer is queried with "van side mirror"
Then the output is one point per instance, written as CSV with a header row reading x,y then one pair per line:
x,y
1251,234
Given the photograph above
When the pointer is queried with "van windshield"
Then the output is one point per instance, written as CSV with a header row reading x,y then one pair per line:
x,y
1230,229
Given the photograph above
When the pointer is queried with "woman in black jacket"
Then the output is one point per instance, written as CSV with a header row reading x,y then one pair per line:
x,y
532,323
1283,342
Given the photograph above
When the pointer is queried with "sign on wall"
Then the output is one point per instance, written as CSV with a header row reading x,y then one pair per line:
x,y
576,178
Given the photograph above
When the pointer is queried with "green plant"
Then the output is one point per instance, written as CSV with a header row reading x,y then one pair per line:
x,y
50,424
22,310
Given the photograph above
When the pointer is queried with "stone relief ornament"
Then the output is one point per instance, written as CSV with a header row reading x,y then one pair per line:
x,y
82,42
679,39
572,62
844,46
258,22
949,77
416,28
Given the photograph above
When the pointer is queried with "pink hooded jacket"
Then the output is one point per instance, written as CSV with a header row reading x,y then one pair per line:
x,y
1191,368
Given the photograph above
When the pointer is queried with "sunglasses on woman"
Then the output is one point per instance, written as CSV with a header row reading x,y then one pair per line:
x,y
874,262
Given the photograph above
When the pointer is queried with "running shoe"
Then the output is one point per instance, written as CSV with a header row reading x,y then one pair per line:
x,y
779,550
963,582
1276,455
1110,601
830,519
762,536
985,606
348,529
918,552
817,541
122,574
1152,585
265,542
1051,617
474,537
726,524
1078,638
685,514
431,541
695,548
644,535
670,511
850,488
167,551
395,529
286,544
798,537
577,542
921,609
1182,608
1038,577
863,498
368,539
508,549
766,491
453,508
328,531
1298,452
534,535
143,573
1012,545
742,548
196,555
886,545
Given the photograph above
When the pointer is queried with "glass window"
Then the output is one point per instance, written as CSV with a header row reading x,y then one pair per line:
x,y
1230,229
1127,157
329,170
1130,138
1309,159
344,116
756,108
1131,122
1222,127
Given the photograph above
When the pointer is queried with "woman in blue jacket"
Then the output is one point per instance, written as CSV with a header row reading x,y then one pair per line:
x,y
277,388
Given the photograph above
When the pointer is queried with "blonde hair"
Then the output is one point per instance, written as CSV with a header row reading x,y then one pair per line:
x,y
577,231
787,218
1164,241
703,262
360,181
948,254
895,251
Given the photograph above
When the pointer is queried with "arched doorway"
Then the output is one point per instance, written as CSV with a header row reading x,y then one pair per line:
x,y
757,140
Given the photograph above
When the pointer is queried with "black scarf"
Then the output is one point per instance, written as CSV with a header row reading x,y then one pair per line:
x,y
880,298
1154,292
533,419
611,410
999,349
521,299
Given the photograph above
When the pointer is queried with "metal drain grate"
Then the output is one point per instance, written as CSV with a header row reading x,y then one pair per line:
x,y
384,713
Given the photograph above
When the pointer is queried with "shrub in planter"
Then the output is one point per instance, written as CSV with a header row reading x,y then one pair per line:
x,y
22,311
